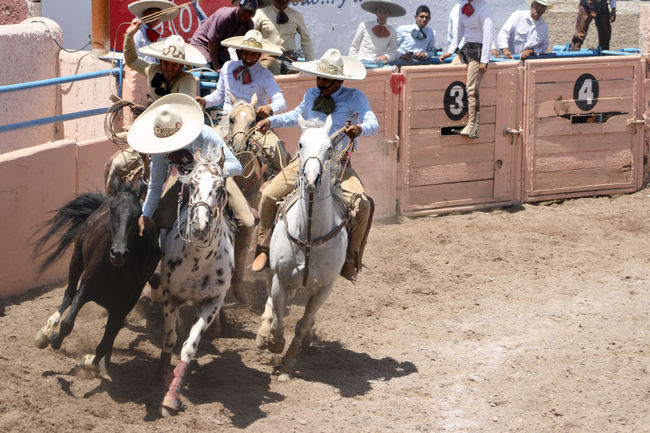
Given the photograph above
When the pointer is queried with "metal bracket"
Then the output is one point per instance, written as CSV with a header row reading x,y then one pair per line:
x,y
634,122
513,131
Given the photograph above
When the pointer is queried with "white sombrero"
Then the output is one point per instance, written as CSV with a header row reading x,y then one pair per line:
x,y
138,8
170,123
547,3
372,5
252,41
174,49
334,66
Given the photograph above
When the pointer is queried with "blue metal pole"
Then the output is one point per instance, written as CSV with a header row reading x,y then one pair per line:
x,y
58,80
53,119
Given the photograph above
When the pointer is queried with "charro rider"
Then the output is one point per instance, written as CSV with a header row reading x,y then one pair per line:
x,y
376,40
171,130
329,97
164,78
246,77
147,34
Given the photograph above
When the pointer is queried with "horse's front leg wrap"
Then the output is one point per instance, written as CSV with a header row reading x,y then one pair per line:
x,y
173,397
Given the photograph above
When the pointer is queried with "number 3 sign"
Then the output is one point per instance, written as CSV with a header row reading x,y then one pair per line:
x,y
585,92
456,100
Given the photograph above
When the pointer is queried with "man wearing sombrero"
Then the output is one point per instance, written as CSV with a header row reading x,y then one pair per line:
x,y
376,40
171,130
164,78
525,32
247,77
329,97
147,34
280,24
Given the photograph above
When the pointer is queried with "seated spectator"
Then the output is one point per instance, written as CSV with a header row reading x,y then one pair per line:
x,y
376,40
147,34
525,32
417,41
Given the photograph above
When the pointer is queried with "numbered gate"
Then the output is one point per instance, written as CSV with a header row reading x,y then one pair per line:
x,y
583,133
443,171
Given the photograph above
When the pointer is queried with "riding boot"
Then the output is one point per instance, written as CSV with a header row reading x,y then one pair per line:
x,y
471,123
474,132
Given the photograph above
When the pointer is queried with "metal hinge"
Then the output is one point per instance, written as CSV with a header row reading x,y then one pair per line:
x,y
512,131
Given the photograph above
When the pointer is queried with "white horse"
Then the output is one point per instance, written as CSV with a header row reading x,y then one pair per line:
x,y
307,247
196,265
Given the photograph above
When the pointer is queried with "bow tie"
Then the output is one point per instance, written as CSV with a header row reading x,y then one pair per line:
x,y
418,34
468,9
181,157
160,85
242,74
152,35
324,104
381,31
282,18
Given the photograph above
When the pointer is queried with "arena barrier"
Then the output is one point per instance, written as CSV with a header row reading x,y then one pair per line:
x,y
584,124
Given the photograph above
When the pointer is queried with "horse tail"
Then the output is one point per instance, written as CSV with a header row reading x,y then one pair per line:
x,y
66,223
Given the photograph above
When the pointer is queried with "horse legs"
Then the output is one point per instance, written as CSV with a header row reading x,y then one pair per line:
x,y
264,330
68,323
303,330
103,351
209,311
276,341
170,313
41,339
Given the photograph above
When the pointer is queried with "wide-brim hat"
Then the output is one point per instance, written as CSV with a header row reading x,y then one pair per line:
x,y
170,123
372,5
252,41
547,3
138,8
334,66
174,49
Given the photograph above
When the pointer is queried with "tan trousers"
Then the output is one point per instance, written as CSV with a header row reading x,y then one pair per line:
x,y
599,13
120,165
352,193
474,77
274,149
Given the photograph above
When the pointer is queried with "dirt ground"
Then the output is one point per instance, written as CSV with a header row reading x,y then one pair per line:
x,y
527,319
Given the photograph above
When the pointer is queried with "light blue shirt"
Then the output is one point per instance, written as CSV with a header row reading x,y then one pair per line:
x,y
160,167
346,102
406,43
140,39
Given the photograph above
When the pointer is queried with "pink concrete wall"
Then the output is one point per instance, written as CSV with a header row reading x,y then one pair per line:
x,y
13,11
33,55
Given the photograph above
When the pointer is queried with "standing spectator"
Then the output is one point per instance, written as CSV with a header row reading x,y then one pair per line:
x,y
147,34
279,24
224,23
475,25
417,41
594,9
453,24
376,40
525,32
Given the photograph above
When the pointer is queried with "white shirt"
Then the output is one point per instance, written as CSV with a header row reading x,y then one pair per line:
x,y
453,25
520,32
476,28
140,39
367,46
406,42
262,83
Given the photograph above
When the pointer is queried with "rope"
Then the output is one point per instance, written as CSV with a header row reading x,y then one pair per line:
x,y
109,120
57,42
157,15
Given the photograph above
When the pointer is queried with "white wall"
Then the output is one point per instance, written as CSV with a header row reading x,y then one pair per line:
x,y
75,19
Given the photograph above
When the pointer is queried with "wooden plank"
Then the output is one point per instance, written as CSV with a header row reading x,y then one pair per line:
x,y
427,81
443,155
583,160
582,143
451,173
418,138
606,89
504,149
564,73
432,196
600,178
559,126
432,99
557,108
438,118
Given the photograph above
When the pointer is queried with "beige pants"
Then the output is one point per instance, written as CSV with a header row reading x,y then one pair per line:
x,y
352,193
274,149
474,76
121,164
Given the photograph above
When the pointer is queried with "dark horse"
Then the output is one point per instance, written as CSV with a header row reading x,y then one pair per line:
x,y
109,252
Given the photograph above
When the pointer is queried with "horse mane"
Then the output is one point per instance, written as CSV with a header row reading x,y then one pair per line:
x,y
210,155
312,123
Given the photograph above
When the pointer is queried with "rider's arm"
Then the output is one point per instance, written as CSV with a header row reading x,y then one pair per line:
x,y
278,104
131,56
219,94
159,166
231,166
290,118
369,124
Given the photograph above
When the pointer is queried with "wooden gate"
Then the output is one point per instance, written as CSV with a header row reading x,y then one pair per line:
x,y
442,171
584,127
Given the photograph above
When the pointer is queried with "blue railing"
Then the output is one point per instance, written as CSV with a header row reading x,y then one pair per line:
x,y
117,72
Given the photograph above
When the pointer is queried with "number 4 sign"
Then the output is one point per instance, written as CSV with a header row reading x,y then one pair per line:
x,y
585,92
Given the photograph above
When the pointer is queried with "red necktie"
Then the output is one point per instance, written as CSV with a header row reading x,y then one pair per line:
x,y
381,31
242,74
152,35
468,9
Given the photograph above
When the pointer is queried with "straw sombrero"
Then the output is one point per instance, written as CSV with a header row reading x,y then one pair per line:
x,y
334,66
372,5
174,49
252,41
547,3
138,8
170,123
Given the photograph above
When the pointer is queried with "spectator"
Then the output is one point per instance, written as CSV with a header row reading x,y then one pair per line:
x,y
525,32
594,9
376,40
417,41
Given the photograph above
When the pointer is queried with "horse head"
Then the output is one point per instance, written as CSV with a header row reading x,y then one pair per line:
x,y
207,195
315,150
125,209
241,123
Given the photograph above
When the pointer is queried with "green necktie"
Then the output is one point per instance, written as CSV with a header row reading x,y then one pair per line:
x,y
324,104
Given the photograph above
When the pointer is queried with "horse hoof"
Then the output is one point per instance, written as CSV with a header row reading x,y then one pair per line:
x,y
171,406
284,377
55,342
40,340
275,346
167,412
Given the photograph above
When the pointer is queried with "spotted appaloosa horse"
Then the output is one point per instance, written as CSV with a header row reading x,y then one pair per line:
x,y
307,246
110,257
196,265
